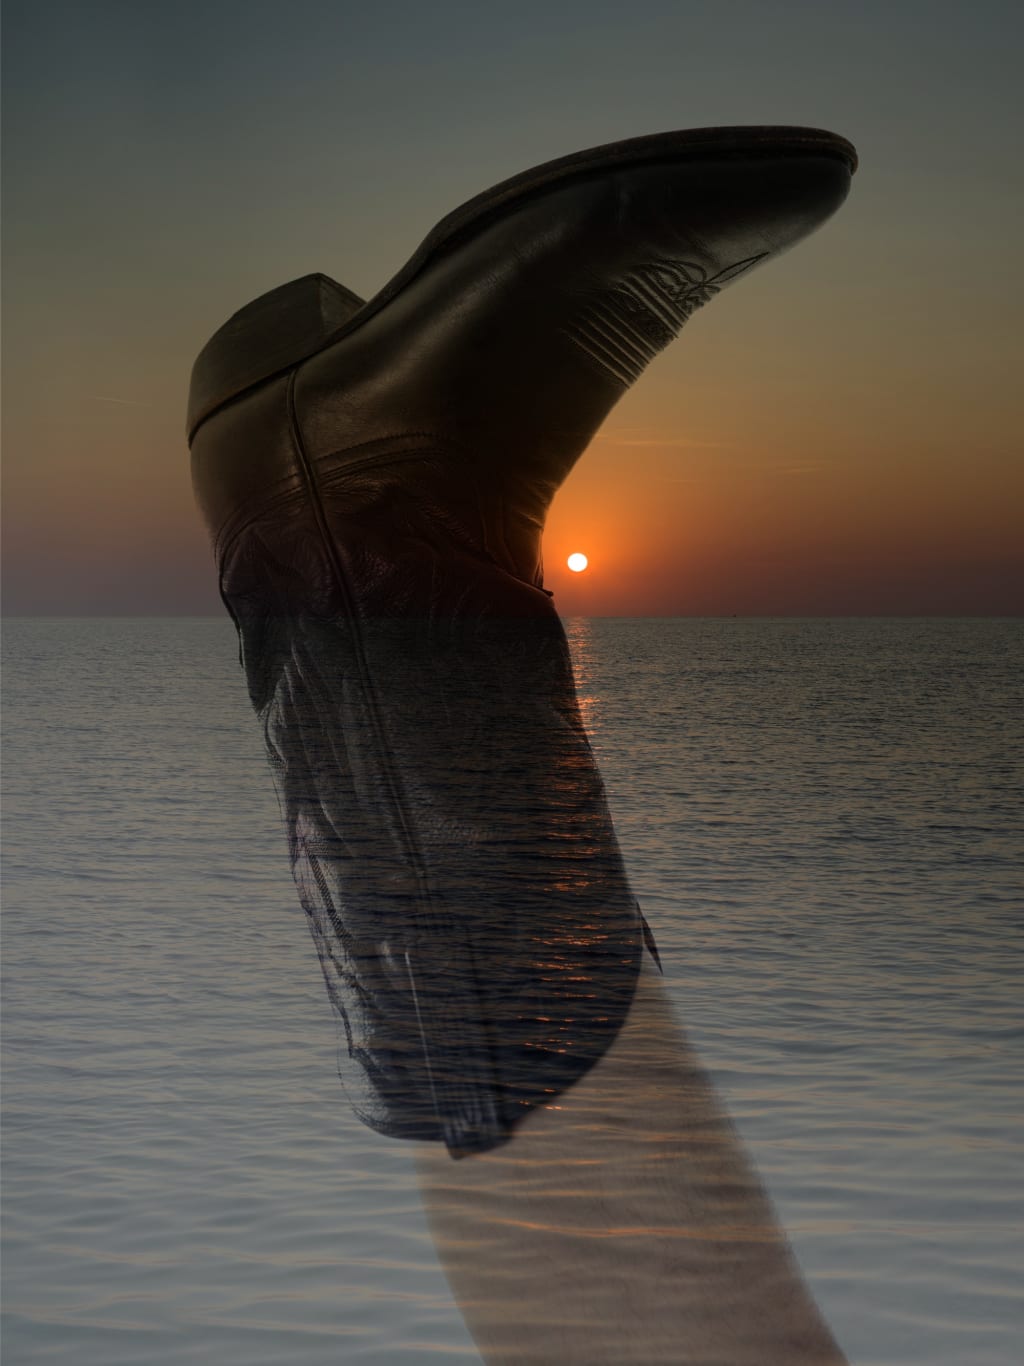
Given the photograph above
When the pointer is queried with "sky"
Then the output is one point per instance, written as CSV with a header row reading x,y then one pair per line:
x,y
837,434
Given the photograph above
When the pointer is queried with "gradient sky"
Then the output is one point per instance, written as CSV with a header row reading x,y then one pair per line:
x,y
839,433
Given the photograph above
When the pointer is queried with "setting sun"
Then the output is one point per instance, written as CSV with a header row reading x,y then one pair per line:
x,y
577,562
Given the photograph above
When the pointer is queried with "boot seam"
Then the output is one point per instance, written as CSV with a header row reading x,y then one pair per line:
x,y
341,581
268,500
386,446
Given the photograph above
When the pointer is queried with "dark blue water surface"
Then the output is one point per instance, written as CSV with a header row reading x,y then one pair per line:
x,y
824,821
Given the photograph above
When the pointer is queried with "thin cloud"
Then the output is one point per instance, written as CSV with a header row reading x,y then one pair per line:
x,y
649,436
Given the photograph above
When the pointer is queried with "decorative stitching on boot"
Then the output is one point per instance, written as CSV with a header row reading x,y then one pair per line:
x,y
279,495
624,330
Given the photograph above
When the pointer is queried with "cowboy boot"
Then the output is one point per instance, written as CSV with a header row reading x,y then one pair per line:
x,y
376,480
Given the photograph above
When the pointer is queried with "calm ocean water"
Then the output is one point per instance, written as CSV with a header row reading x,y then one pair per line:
x,y
824,822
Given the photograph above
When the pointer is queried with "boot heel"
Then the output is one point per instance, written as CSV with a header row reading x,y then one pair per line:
x,y
269,335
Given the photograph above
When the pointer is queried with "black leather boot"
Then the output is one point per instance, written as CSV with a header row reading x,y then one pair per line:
x,y
376,478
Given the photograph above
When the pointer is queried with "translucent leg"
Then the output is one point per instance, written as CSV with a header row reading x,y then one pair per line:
x,y
623,1224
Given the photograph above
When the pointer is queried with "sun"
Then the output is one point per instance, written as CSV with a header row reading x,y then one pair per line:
x,y
577,562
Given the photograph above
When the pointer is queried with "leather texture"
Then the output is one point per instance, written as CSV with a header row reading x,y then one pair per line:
x,y
377,508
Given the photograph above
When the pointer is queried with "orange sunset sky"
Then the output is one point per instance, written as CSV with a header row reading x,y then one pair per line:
x,y
839,433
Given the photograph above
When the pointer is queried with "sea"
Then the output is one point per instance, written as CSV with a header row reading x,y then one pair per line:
x,y
823,821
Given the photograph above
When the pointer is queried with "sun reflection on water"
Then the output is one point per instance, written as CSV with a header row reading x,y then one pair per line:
x,y
580,635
